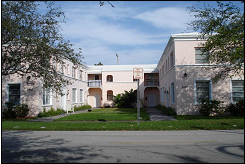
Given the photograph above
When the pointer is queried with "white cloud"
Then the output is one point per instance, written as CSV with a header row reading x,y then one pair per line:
x,y
102,32
169,18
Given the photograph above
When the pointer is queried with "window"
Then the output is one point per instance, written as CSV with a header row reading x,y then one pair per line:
x,y
81,75
168,63
171,60
14,93
203,90
163,70
74,95
68,69
57,95
109,95
109,78
172,93
81,95
163,96
47,97
201,57
73,73
237,90
62,68
68,95
96,77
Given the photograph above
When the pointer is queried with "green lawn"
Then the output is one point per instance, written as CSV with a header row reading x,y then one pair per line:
x,y
115,114
108,114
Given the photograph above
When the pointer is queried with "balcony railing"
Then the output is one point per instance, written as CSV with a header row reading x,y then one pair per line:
x,y
94,83
152,83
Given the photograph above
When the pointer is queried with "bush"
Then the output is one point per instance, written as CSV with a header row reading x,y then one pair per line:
x,y
169,111
82,107
9,111
22,110
208,107
51,112
125,100
236,109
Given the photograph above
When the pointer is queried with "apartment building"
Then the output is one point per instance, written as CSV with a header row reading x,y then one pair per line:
x,y
184,78
180,80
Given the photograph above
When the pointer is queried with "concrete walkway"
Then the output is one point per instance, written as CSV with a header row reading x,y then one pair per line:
x,y
50,119
155,115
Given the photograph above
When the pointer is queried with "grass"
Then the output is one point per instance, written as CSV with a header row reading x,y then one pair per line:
x,y
108,114
183,123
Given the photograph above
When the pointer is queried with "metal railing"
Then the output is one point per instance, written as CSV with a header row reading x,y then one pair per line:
x,y
151,83
94,83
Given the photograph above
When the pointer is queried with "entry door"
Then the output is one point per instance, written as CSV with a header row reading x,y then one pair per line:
x,y
151,99
96,100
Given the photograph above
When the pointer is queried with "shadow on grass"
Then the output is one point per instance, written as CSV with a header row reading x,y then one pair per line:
x,y
192,117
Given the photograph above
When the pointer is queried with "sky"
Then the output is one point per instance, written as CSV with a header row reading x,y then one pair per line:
x,y
137,31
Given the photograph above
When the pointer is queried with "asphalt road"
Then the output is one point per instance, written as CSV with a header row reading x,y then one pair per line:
x,y
197,146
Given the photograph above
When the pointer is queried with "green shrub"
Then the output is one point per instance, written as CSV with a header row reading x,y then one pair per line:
x,y
82,107
9,111
51,112
208,107
236,109
169,111
22,110
125,100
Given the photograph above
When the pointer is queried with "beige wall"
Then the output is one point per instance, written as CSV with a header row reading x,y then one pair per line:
x,y
31,94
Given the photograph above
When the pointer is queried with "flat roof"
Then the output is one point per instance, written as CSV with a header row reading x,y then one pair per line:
x,y
147,68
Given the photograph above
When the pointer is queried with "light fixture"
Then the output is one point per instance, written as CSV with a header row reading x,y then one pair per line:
x,y
185,74
28,78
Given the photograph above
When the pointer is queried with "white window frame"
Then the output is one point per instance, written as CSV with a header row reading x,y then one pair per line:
x,y
74,95
81,97
50,97
7,91
202,56
231,88
195,89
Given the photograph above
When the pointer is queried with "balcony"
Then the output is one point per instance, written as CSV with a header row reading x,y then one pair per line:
x,y
151,83
94,83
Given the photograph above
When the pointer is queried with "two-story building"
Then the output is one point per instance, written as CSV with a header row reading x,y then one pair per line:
x,y
184,78
180,80
108,80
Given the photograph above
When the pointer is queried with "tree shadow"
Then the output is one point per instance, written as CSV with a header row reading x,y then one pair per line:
x,y
17,148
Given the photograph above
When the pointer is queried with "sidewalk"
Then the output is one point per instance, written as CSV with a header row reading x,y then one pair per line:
x,y
50,119
156,115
